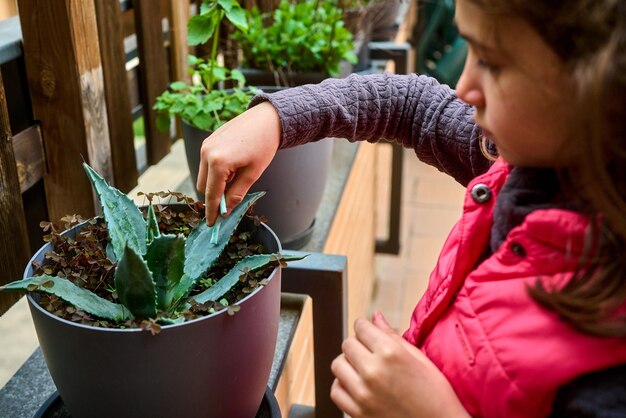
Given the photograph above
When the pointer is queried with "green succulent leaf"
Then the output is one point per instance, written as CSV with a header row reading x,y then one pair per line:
x,y
171,321
253,262
152,227
69,292
165,258
180,291
124,219
200,254
134,285
109,252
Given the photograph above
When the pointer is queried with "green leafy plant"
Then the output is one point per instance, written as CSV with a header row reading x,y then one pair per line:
x,y
200,103
159,277
303,36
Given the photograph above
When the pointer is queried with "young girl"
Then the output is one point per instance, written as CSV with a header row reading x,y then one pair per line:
x,y
524,312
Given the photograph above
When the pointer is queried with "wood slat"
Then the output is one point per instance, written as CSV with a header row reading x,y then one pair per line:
x,y
353,231
67,90
117,94
153,71
14,247
29,157
179,50
8,8
179,15
296,384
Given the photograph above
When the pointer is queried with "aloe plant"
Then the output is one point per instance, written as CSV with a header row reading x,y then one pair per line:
x,y
155,272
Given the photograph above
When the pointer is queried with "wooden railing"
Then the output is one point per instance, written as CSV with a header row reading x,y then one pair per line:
x,y
69,91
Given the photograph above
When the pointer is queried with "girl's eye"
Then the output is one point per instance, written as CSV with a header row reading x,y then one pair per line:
x,y
487,65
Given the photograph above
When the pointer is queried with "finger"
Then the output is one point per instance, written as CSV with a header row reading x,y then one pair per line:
x,y
238,188
215,187
379,320
373,338
357,355
343,370
343,400
203,172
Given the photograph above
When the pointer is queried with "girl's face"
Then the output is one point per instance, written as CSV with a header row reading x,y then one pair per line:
x,y
518,86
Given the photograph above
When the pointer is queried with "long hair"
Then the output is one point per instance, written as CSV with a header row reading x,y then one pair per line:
x,y
590,38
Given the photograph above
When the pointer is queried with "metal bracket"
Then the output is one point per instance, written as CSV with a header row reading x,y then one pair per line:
x,y
324,278
399,54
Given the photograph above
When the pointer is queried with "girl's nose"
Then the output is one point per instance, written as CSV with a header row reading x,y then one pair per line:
x,y
469,88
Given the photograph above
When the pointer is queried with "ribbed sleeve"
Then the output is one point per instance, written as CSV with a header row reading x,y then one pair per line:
x,y
415,111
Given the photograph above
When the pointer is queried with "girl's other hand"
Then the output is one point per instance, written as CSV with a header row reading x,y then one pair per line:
x,y
382,375
237,153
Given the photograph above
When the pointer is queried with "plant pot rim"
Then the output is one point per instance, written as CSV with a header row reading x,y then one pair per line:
x,y
36,305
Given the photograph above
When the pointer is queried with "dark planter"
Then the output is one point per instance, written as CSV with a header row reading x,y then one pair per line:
x,y
55,408
256,77
215,366
294,182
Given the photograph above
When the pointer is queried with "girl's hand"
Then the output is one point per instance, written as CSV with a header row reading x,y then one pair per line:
x,y
238,152
381,375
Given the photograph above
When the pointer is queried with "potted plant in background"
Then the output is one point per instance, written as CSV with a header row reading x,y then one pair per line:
x,y
297,43
294,44
154,313
295,180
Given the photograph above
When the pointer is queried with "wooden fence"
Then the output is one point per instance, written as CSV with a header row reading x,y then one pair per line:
x,y
69,92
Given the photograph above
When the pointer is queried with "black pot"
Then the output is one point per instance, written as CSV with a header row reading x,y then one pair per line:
x,y
257,77
215,366
294,182
54,407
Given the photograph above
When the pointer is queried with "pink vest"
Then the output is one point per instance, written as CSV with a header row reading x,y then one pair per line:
x,y
505,355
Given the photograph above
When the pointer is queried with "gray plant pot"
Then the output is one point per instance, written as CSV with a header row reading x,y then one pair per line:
x,y
294,182
215,366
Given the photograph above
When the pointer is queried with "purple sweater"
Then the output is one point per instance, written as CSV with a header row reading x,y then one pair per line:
x,y
419,113
414,111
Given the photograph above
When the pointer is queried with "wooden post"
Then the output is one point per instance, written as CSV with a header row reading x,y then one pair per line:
x,y
65,78
119,115
14,248
179,50
154,75
7,9
179,12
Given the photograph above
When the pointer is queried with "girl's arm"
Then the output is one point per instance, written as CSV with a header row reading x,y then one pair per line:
x,y
415,111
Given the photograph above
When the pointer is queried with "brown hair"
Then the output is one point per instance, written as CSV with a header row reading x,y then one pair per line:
x,y
590,37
